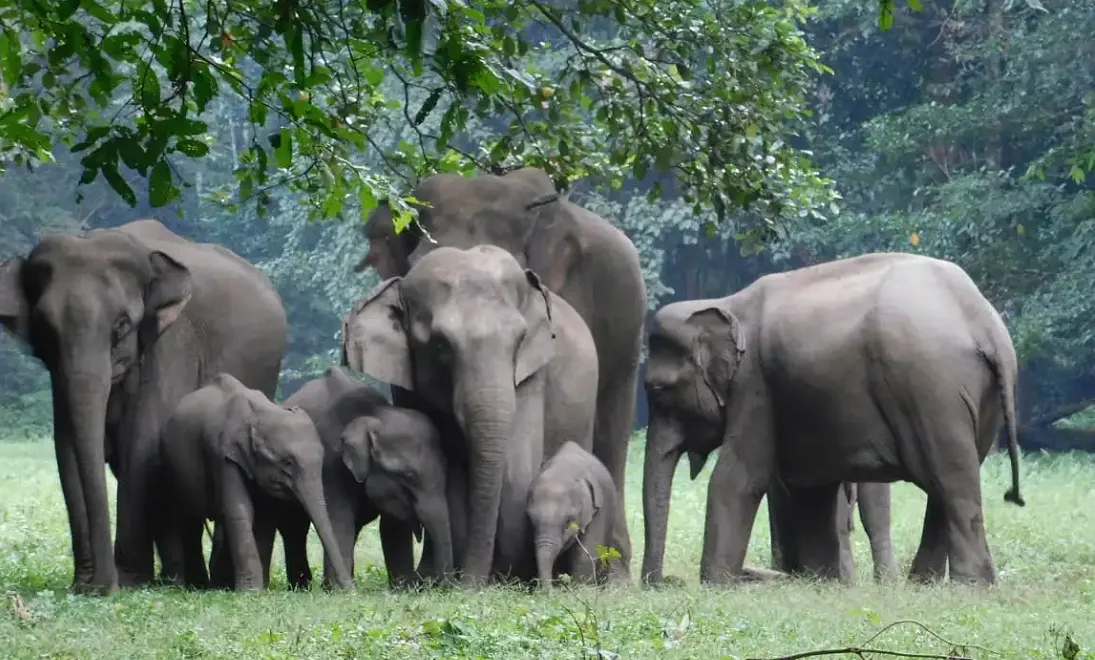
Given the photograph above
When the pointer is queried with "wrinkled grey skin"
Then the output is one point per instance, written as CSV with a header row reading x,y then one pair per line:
x,y
506,369
874,512
396,455
333,402
128,321
571,505
577,254
877,368
230,454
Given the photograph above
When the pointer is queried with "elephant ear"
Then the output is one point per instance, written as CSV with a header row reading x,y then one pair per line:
x,y
591,503
718,348
537,347
14,310
373,337
552,246
238,438
357,443
169,291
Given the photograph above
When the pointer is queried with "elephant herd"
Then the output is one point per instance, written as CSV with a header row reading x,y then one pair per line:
x,y
509,325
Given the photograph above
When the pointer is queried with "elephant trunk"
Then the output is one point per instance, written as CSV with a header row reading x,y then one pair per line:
x,y
663,451
485,404
310,494
436,521
547,550
81,388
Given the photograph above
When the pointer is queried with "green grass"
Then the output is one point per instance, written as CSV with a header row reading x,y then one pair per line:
x,y
1045,554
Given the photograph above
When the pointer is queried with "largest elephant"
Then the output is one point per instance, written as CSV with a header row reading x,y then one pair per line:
x,y
128,321
506,368
881,367
577,254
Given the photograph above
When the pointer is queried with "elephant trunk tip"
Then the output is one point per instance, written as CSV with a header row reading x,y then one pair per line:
x,y
1012,495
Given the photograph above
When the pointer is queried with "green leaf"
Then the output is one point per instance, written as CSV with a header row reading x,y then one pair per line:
x,y
66,9
160,188
296,48
11,56
150,89
885,14
192,148
114,178
428,106
283,151
205,86
915,5
131,153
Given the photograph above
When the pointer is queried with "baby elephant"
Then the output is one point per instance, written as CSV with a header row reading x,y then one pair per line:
x,y
232,455
395,453
572,505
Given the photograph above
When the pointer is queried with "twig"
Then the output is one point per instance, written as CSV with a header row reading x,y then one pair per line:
x,y
931,632
861,652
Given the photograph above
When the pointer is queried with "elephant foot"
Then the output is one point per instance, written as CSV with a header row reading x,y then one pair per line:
x,y
755,574
94,589
130,579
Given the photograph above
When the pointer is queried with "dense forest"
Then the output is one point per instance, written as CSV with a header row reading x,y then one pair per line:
x,y
963,131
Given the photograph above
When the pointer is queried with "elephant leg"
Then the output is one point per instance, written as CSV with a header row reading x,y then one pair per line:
x,y
133,547
930,562
968,555
785,551
874,513
169,544
264,529
845,523
814,515
733,497
294,528
611,434
397,544
239,514
221,571
190,536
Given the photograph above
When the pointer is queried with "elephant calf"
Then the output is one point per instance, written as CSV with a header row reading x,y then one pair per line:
x,y
396,455
572,506
232,455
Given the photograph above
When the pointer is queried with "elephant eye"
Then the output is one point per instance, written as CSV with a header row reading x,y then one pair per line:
x,y
122,327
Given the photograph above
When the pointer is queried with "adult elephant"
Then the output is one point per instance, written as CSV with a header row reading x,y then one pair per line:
x,y
128,321
878,368
500,360
577,255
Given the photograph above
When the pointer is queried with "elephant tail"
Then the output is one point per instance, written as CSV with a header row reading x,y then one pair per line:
x,y
1011,427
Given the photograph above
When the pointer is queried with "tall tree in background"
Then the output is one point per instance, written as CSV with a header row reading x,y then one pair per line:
x,y
959,134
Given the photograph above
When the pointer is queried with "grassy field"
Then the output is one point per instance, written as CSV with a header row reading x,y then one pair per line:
x,y
1045,554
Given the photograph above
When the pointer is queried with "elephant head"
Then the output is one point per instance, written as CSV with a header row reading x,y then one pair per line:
x,y
279,450
88,308
696,349
561,508
517,211
465,329
396,453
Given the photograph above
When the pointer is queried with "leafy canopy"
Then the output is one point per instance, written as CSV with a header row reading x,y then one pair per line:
x,y
699,93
